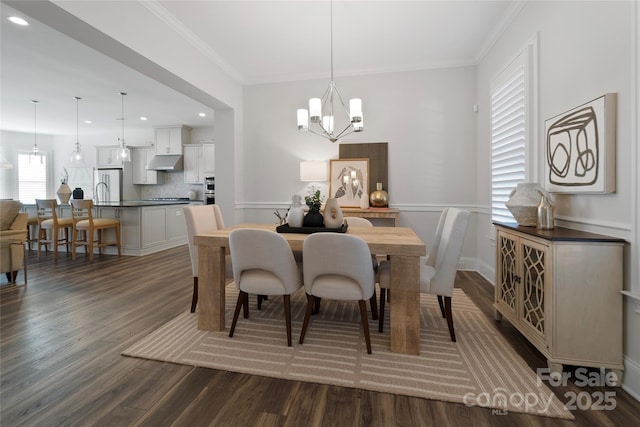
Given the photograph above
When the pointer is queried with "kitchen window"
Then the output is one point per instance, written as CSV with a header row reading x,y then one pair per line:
x,y
32,177
513,104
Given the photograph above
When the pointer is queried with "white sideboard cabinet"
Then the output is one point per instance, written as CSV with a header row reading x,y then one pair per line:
x,y
561,289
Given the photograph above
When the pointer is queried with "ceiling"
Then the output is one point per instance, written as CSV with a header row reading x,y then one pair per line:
x,y
254,41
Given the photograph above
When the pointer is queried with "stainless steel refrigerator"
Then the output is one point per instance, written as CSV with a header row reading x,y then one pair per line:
x,y
107,185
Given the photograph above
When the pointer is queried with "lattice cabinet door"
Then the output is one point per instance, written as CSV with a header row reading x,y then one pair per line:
x,y
534,263
507,275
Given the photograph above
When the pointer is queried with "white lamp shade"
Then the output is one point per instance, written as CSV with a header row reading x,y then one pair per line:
x,y
315,109
355,108
327,123
303,119
313,171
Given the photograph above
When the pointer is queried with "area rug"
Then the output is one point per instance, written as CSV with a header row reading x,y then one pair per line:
x,y
480,369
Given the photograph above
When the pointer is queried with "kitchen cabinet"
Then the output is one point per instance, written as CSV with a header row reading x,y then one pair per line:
x,y
147,229
199,162
140,157
561,289
170,139
107,156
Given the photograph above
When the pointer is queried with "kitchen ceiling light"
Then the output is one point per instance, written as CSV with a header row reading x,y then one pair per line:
x,y
18,21
77,157
322,111
124,153
36,150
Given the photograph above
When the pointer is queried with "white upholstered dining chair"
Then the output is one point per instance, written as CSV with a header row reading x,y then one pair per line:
x,y
201,219
263,264
438,273
338,266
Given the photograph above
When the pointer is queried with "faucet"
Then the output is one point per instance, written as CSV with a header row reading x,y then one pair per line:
x,y
96,199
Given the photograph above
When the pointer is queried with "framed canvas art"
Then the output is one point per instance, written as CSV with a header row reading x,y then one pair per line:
x,y
580,148
348,181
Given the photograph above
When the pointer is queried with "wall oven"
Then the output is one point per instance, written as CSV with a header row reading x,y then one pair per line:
x,y
209,190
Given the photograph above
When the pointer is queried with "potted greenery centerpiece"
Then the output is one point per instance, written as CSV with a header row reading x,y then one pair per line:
x,y
313,218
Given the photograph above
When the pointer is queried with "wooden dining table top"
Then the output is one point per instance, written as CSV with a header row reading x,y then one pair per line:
x,y
401,241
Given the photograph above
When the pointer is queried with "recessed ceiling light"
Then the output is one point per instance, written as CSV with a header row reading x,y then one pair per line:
x,y
143,118
202,115
88,122
17,20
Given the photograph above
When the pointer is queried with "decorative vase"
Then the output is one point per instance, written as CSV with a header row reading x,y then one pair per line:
x,y
545,214
313,219
78,193
523,203
333,216
379,198
296,212
364,201
64,193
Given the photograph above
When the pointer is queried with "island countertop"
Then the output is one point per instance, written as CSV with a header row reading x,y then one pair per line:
x,y
142,203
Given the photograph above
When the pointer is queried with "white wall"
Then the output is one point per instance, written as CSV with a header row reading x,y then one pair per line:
x,y
585,50
426,117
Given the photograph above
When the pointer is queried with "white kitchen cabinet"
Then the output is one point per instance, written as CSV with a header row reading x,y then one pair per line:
x,y
170,139
199,162
163,226
107,156
561,289
140,157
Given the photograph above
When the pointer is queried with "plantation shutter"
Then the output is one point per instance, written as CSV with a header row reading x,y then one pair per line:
x,y
32,178
508,136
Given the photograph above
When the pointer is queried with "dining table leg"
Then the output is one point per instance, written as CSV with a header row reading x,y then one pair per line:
x,y
405,304
211,284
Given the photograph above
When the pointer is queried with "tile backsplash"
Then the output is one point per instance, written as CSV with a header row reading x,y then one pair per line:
x,y
174,186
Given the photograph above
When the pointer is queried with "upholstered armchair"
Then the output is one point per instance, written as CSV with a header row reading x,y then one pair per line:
x,y
13,234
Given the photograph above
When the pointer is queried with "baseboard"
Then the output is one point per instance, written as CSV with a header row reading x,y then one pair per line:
x,y
631,378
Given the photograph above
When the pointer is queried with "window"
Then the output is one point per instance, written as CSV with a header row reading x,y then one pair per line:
x,y
32,177
511,132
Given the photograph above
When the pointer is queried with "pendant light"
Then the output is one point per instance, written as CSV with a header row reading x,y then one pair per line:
x,y
77,157
36,151
322,112
124,153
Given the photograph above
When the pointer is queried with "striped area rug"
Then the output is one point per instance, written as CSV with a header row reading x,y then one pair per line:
x,y
480,369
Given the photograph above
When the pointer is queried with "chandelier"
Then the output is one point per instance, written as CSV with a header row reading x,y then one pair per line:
x,y
76,155
320,119
124,153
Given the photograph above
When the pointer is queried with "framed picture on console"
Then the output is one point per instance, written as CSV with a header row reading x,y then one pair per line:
x,y
349,181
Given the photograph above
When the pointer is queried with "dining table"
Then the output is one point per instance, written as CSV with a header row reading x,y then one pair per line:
x,y
401,245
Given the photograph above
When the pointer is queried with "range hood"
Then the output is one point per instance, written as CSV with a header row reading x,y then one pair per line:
x,y
166,163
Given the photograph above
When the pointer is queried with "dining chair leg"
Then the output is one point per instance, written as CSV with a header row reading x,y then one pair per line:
x,y
449,315
316,305
365,323
239,303
383,298
441,304
287,317
245,302
373,303
194,299
307,316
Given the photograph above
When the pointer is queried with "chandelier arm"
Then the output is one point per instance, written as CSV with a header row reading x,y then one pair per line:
x,y
344,132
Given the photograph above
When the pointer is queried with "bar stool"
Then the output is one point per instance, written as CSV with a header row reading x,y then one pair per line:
x,y
48,220
85,227
32,230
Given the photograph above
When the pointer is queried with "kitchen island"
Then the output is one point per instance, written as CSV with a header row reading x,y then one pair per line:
x,y
146,226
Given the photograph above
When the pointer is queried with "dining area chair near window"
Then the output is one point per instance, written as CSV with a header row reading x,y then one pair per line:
x,y
50,226
263,264
201,219
337,266
89,231
438,273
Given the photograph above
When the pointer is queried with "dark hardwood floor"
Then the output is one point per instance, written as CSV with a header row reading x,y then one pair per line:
x,y
62,335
